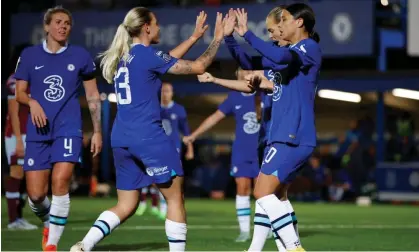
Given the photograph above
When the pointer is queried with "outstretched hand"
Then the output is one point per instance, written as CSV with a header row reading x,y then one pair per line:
x,y
241,16
229,22
200,26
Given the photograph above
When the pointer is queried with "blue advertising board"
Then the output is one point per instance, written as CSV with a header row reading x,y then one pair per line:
x,y
397,181
346,29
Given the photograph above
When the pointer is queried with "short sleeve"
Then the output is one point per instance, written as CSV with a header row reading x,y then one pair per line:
x,y
88,68
160,62
22,71
308,53
227,106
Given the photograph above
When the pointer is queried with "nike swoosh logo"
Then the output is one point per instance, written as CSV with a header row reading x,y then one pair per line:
x,y
67,155
238,107
38,67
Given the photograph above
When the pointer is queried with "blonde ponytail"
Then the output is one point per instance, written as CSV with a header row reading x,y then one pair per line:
x,y
121,44
117,50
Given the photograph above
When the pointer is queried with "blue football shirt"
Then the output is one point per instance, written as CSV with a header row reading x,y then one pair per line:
x,y
137,85
175,122
55,80
242,106
293,100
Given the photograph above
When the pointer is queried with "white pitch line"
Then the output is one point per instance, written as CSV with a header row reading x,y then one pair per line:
x,y
229,227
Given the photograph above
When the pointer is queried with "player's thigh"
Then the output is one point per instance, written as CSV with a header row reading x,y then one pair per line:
x,y
160,159
173,190
284,161
265,185
38,156
130,171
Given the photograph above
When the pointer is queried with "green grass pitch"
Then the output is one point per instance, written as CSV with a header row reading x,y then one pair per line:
x,y
213,226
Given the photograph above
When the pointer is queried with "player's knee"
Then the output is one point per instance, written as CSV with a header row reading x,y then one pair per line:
x,y
37,197
243,191
260,192
125,209
243,186
60,186
175,199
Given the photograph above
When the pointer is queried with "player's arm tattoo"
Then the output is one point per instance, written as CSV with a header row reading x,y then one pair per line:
x,y
208,56
181,67
94,103
95,111
199,65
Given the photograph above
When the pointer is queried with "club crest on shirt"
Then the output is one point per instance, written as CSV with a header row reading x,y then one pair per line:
x,y
164,56
71,67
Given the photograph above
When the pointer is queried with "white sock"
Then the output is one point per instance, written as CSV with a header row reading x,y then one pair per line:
x,y
176,234
293,216
102,227
60,207
281,221
41,210
261,228
163,204
243,212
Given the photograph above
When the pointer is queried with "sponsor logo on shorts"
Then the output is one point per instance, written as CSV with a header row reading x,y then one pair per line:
x,y
157,171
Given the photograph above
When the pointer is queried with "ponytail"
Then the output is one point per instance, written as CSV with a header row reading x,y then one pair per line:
x,y
118,49
315,36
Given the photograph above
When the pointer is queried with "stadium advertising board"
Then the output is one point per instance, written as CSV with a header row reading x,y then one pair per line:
x,y
397,181
346,29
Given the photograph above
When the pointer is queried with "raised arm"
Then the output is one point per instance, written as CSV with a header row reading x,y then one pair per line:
x,y
241,57
200,29
238,85
268,50
279,55
244,60
204,61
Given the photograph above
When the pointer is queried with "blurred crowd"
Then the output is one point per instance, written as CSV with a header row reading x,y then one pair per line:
x,y
340,169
